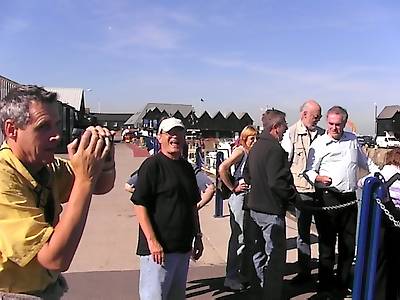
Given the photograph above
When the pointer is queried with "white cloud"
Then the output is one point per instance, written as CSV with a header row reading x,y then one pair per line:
x,y
354,87
349,78
153,36
150,27
10,25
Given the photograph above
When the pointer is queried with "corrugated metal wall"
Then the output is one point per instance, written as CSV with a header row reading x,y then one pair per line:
x,y
5,86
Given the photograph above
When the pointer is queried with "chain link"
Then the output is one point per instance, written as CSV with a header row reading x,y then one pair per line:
x,y
339,206
387,213
325,208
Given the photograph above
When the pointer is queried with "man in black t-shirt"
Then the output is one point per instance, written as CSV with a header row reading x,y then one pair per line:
x,y
165,201
204,183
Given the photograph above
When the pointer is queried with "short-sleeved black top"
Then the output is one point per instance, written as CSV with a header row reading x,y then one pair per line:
x,y
168,189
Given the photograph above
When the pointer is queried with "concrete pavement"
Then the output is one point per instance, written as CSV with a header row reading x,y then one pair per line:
x,y
106,266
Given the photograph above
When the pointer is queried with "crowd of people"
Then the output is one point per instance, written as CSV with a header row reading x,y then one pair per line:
x,y
301,165
308,167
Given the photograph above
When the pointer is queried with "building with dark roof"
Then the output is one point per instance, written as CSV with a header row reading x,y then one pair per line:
x,y
154,111
74,97
113,121
217,125
6,85
389,121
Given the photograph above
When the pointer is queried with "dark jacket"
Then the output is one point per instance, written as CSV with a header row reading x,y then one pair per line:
x,y
268,172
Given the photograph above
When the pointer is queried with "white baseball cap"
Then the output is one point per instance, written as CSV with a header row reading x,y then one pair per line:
x,y
167,124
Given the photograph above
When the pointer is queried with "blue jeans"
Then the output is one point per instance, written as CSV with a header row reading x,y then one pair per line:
x,y
270,258
236,240
304,218
164,282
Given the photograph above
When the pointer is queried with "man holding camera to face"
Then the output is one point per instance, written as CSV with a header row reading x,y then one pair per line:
x,y
36,244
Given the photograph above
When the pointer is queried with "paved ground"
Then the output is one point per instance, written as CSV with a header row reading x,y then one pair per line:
x,y
106,267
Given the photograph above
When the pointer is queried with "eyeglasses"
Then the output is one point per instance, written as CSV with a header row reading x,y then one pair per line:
x,y
316,117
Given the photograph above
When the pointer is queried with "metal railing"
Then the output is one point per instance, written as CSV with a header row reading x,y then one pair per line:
x,y
373,198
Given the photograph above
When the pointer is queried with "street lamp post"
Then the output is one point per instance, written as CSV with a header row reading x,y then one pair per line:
x,y
375,115
98,102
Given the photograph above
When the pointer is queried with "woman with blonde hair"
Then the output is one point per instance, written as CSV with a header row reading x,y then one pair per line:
x,y
239,187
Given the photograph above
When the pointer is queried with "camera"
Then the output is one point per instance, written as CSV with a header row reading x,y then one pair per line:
x,y
77,134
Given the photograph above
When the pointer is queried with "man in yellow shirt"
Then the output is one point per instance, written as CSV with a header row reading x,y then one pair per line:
x,y
36,244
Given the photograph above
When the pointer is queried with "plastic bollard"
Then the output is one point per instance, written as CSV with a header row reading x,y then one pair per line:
x,y
219,204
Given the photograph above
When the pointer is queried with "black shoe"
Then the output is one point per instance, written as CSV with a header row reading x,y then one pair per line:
x,y
301,278
343,293
322,296
233,285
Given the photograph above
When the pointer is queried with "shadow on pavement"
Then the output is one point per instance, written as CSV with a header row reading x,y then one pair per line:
x,y
214,287
204,282
205,287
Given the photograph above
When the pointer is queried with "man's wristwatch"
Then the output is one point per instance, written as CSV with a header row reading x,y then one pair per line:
x,y
199,235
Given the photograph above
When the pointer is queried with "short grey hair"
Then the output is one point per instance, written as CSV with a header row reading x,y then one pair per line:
x,y
15,106
272,117
338,110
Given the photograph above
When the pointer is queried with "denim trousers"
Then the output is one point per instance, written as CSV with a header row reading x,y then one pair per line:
x,y
236,240
270,258
166,281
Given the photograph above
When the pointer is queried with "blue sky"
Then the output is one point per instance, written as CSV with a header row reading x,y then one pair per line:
x,y
236,55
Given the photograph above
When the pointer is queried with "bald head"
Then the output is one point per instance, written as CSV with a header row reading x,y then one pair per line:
x,y
310,105
310,114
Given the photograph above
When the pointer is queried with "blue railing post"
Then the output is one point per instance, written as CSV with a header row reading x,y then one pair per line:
x,y
374,244
368,240
219,202
369,184
199,157
156,145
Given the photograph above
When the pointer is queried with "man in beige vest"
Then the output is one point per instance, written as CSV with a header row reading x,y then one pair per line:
x,y
296,143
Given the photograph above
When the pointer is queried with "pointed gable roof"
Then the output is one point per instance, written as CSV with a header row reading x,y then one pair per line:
x,y
171,109
229,115
134,120
388,112
71,96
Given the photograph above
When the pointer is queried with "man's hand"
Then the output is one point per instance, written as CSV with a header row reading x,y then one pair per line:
x,y
89,156
326,180
240,187
198,248
157,251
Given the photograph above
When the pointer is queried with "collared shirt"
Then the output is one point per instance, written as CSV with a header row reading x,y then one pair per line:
x,y
339,160
302,131
23,226
296,142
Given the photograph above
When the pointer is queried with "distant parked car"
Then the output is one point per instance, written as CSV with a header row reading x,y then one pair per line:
x,y
387,142
366,140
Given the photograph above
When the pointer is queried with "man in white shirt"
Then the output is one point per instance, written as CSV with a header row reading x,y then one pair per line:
x,y
332,165
296,142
